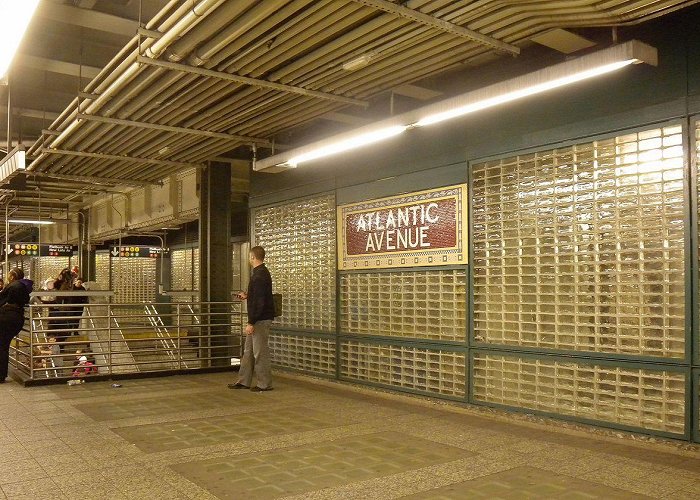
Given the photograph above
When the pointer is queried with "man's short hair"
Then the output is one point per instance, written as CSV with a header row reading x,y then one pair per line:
x,y
258,253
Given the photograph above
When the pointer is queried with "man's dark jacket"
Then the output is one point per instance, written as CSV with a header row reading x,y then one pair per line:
x,y
260,303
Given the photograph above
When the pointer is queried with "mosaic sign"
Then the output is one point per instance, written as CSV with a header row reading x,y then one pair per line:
x,y
426,228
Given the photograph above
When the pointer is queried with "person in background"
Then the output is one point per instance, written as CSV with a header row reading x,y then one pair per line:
x,y
261,312
13,298
2,284
80,301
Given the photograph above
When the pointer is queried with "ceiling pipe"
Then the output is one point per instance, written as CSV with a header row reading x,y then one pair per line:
x,y
193,16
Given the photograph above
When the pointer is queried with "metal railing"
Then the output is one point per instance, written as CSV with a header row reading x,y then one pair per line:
x,y
126,338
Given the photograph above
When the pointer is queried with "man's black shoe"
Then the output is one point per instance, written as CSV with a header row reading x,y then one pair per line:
x,y
261,389
238,386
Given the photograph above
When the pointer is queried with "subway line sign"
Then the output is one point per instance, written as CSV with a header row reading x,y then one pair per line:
x,y
138,251
426,228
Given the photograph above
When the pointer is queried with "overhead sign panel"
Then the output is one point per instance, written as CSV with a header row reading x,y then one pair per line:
x,y
138,251
43,250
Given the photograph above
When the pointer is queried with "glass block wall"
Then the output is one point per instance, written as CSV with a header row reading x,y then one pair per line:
x,y
47,267
304,353
646,398
582,248
424,304
300,241
102,270
424,369
184,268
134,280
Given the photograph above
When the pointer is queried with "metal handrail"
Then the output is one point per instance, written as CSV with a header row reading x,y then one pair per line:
x,y
143,343
162,332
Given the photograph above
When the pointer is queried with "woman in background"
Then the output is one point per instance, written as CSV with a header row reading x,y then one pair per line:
x,y
13,298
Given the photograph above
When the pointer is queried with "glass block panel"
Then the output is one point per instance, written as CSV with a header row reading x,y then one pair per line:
x,y
423,304
429,370
645,398
133,280
184,268
582,247
300,241
309,354
102,266
46,267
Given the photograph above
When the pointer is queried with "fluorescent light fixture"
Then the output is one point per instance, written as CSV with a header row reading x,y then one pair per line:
x,y
357,141
44,222
12,164
519,94
552,77
15,15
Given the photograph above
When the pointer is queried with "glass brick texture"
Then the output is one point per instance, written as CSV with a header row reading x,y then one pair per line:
x,y
102,270
134,280
305,353
300,241
184,268
42,268
423,304
639,397
582,247
434,371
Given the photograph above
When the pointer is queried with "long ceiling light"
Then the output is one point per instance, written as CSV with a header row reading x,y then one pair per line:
x,y
37,222
557,76
15,15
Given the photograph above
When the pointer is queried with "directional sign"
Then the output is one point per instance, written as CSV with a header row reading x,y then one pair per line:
x,y
138,251
57,250
37,250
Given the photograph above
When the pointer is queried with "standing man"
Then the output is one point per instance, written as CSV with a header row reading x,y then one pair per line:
x,y
261,312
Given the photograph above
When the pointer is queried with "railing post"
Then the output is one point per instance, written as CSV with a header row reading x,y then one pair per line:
x,y
31,343
179,335
109,338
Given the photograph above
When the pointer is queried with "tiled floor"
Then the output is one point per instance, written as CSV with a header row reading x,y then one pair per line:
x,y
191,437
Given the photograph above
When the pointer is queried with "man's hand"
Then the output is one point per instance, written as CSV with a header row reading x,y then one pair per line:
x,y
242,295
249,329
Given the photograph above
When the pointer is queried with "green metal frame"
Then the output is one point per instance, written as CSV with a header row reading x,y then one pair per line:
x,y
695,402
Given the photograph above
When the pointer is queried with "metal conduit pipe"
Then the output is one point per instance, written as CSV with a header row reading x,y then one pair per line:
x,y
191,18
228,43
384,24
111,68
267,38
195,15
212,24
328,53
297,39
160,91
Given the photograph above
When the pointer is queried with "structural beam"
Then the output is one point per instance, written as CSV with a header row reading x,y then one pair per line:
x,y
95,179
250,81
31,113
60,67
434,22
132,159
179,130
87,18
344,118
